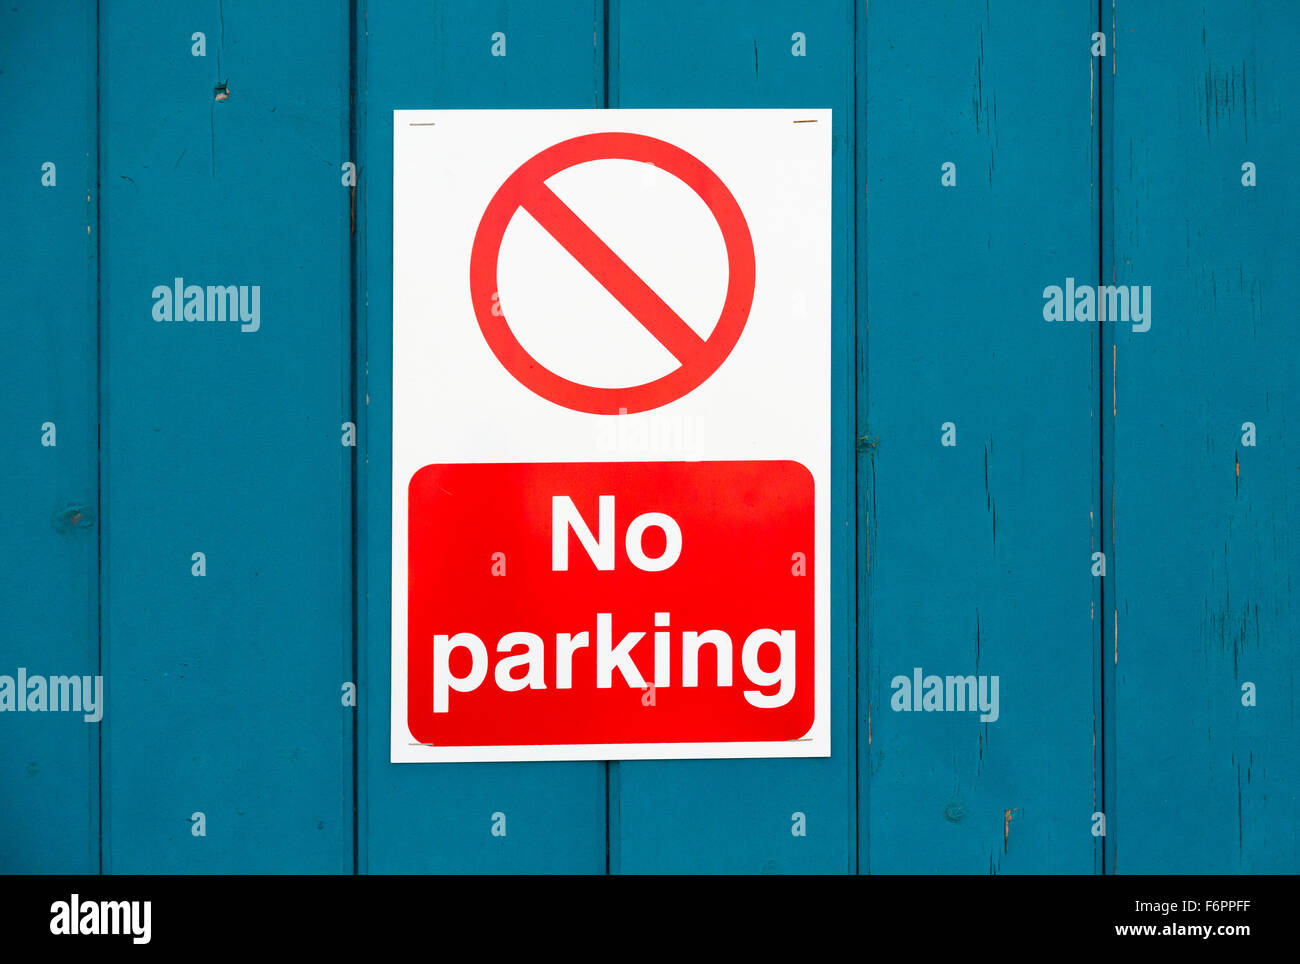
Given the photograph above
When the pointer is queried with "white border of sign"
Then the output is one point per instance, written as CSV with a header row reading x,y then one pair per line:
x,y
454,402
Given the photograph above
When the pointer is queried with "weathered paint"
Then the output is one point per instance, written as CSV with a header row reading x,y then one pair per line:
x,y
979,552
1206,551
49,809
224,690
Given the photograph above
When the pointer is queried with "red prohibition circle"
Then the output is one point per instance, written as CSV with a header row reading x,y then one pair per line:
x,y
526,189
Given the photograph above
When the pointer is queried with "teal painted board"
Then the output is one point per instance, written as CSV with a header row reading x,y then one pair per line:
x,y
438,818
223,437
1206,549
739,816
977,553
49,569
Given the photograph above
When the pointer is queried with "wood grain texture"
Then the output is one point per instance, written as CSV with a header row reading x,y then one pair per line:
x,y
225,690
1119,694
49,810
1206,551
977,555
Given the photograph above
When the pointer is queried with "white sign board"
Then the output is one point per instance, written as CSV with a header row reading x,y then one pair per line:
x,y
611,353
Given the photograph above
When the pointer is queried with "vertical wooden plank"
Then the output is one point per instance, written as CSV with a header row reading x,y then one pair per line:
x,y
1206,551
224,438
49,571
421,818
977,554
736,816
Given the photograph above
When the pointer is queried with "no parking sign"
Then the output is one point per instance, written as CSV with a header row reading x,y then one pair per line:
x,y
611,434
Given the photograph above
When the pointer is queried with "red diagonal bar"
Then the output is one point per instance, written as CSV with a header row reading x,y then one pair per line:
x,y
613,274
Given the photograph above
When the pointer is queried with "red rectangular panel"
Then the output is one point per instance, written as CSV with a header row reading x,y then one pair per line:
x,y
514,640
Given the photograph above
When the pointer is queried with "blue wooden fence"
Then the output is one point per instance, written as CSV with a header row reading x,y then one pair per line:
x,y
1112,535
